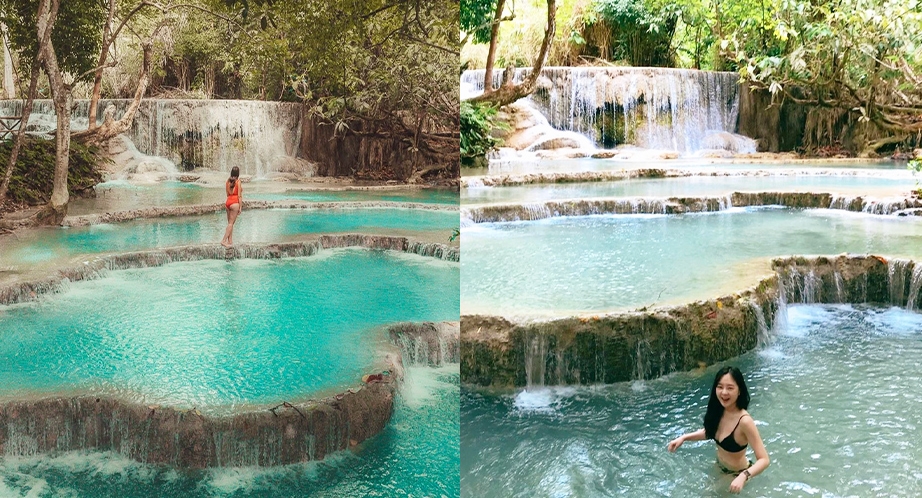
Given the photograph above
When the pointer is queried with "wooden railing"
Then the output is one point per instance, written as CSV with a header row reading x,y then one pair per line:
x,y
8,126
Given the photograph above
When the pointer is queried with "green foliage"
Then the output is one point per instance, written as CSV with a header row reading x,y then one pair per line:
x,y
860,58
455,233
915,165
477,17
32,178
640,32
76,35
477,121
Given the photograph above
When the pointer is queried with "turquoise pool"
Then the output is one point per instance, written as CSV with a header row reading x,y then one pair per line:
x,y
560,266
124,196
222,334
416,455
253,226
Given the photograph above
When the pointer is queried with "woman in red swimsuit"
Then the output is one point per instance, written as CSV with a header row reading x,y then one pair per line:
x,y
729,424
234,205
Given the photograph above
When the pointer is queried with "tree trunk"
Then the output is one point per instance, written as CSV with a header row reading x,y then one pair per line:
x,y
110,127
491,55
21,132
509,93
63,101
9,86
103,54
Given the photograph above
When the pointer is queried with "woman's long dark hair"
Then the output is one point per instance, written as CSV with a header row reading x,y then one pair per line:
x,y
235,173
715,409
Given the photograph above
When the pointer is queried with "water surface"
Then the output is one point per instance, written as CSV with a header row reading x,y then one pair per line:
x,y
210,333
836,397
253,226
417,454
568,265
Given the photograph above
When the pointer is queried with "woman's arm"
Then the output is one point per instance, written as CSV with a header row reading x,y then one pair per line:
x,y
691,436
240,194
755,440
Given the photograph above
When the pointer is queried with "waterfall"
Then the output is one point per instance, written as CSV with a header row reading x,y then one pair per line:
x,y
215,134
642,367
427,343
780,320
840,287
915,285
763,336
535,360
897,271
659,108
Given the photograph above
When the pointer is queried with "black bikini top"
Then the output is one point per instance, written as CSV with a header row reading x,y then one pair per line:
x,y
729,443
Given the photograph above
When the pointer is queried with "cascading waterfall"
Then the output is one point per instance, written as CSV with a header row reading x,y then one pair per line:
x,y
763,336
535,360
840,287
915,285
651,107
215,134
897,270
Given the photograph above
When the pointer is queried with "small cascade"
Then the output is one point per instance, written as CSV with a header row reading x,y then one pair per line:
x,y
763,335
642,365
426,344
915,285
898,270
847,203
535,360
812,288
659,108
840,287
780,320
724,203
884,206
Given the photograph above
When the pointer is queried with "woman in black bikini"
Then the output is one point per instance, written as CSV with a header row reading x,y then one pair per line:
x,y
729,424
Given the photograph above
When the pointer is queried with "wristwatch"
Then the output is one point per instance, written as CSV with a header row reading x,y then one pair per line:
x,y
748,475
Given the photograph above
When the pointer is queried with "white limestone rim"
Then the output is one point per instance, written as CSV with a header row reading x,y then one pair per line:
x,y
97,266
506,212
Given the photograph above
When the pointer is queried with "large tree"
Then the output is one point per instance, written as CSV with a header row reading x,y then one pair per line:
x,y
509,91
859,60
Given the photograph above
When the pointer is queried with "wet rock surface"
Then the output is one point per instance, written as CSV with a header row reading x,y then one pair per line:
x,y
646,344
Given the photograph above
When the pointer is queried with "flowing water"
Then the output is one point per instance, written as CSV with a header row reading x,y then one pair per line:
x,y
836,397
651,107
215,334
561,266
416,455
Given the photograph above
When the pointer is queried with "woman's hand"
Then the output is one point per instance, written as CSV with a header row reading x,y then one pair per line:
x,y
675,443
737,485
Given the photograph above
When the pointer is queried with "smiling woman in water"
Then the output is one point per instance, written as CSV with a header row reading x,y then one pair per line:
x,y
729,424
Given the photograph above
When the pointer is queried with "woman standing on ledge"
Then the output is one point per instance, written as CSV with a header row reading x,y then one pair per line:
x,y
234,205
729,424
